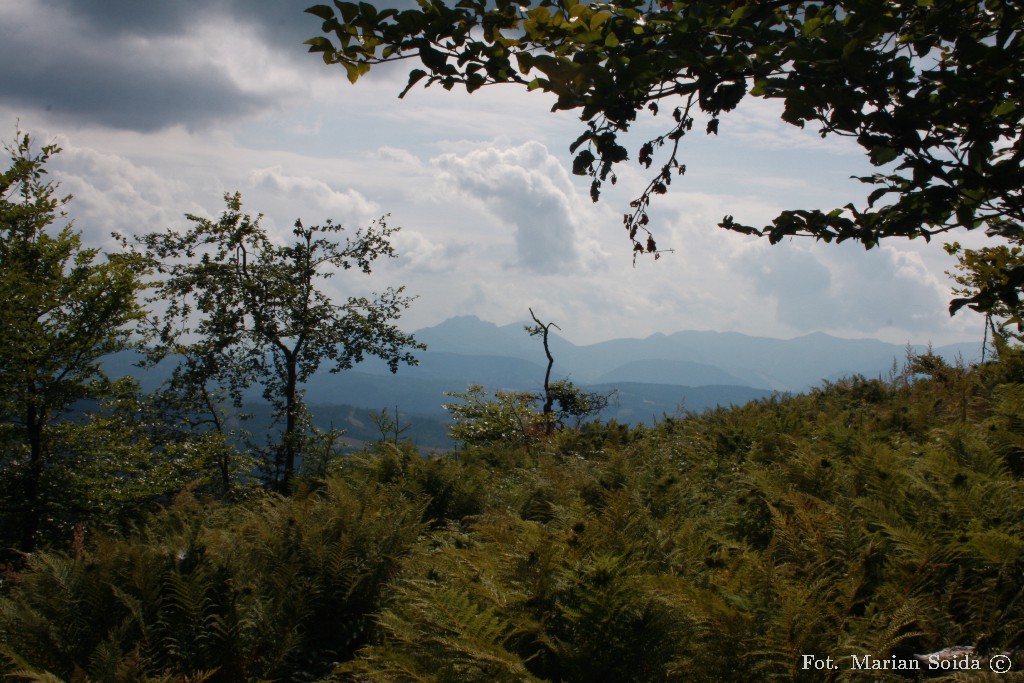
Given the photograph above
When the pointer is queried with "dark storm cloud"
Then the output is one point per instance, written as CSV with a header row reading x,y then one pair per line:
x,y
139,66
282,22
112,17
133,96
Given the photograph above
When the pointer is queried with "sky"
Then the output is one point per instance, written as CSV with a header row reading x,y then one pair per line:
x,y
162,108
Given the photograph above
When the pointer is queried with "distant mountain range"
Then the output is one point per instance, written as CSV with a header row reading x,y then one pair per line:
x,y
654,376
687,358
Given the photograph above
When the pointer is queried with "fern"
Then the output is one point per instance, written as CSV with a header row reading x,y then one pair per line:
x,y
863,518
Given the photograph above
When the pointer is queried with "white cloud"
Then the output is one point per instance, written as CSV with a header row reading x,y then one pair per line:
x,y
527,189
277,191
757,122
421,254
113,194
398,156
493,221
887,292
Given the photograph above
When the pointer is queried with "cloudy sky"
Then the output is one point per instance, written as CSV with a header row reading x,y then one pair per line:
x,y
162,107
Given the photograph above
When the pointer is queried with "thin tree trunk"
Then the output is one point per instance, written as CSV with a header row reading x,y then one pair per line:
x,y
289,440
549,400
223,462
34,423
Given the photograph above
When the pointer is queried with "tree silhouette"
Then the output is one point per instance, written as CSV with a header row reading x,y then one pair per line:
x,y
251,311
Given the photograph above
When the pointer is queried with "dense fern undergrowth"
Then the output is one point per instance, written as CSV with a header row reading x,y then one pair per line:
x,y
868,517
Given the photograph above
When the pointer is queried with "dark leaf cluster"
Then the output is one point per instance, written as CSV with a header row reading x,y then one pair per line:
x,y
931,91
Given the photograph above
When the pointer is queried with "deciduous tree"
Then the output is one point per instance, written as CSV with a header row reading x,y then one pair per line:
x,y
62,308
989,281
931,91
572,401
251,311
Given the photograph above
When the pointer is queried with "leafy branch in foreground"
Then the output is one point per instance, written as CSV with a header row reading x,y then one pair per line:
x,y
930,91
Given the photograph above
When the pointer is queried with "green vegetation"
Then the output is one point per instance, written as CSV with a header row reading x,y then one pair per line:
x,y
78,450
990,281
511,417
63,308
880,517
930,91
870,516
257,314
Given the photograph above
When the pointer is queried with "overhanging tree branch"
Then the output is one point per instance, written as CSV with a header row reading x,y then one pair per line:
x,y
903,79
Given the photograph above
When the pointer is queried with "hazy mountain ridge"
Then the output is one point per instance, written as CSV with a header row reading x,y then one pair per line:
x,y
663,371
654,376
761,362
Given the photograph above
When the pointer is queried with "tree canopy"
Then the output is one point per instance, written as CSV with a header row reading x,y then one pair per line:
x,y
982,275
931,91
240,309
63,309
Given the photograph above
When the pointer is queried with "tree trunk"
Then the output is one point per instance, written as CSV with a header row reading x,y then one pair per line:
x,y
223,461
549,400
35,421
289,441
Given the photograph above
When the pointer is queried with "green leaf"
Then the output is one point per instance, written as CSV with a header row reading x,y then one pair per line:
x,y
432,58
352,70
580,140
598,18
322,11
415,76
367,11
582,163
882,155
1004,108
349,10
320,44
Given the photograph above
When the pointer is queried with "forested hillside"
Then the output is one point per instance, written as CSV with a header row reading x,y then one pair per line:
x,y
867,517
